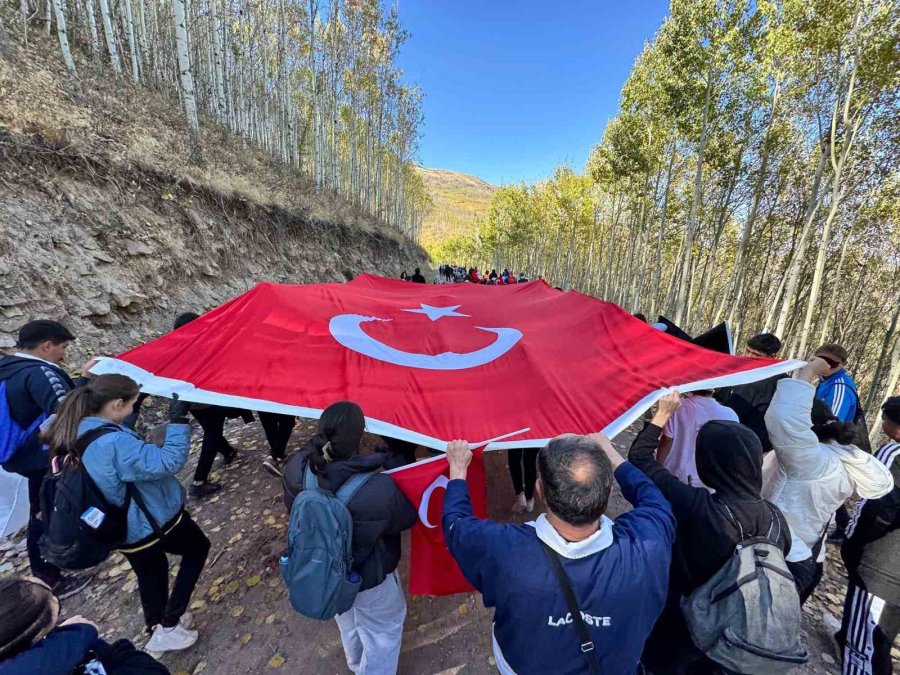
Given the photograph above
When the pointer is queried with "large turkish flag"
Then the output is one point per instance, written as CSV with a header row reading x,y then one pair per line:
x,y
432,570
429,363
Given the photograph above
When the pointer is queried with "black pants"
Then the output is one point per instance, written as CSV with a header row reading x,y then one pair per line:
x,y
152,569
807,575
278,429
212,421
40,568
528,457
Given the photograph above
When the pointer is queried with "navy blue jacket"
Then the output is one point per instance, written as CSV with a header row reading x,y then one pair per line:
x,y
60,653
621,588
33,388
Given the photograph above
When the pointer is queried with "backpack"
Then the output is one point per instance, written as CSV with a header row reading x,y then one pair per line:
x,y
82,528
316,564
12,436
747,616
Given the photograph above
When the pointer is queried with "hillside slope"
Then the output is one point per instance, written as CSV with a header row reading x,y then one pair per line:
x,y
458,199
104,224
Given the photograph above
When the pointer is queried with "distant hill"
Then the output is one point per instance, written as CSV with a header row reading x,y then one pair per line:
x,y
458,198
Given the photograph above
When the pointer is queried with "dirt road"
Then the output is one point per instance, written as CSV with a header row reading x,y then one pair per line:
x,y
246,623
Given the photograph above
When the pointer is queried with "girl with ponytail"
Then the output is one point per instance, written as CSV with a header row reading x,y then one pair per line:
x,y
380,513
114,456
817,470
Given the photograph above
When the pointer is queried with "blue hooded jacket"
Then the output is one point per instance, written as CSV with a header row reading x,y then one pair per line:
x,y
124,457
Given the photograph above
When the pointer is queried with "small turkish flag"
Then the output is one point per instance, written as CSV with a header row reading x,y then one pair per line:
x,y
433,571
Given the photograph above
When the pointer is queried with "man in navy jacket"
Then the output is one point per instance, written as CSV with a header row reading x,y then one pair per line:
x,y
619,570
35,387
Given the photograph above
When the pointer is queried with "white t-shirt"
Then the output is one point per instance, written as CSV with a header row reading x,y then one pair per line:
x,y
682,428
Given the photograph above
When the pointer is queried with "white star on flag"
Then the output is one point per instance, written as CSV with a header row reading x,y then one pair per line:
x,y
435,313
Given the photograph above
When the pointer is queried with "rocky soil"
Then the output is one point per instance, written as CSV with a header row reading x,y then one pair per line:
x,y
105,225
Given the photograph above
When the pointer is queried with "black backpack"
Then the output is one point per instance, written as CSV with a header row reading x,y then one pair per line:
x,y
82,528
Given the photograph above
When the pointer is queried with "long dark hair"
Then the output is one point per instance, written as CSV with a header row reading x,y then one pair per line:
x,y
62,432
340,433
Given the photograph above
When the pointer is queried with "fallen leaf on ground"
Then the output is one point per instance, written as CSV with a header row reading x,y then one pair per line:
x,y
254,580
276,661
236,611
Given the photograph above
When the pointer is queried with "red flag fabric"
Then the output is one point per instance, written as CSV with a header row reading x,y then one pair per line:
x,y
432,570
429,363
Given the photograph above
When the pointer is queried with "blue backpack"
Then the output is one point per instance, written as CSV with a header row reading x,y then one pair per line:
x,y
12,436
316,565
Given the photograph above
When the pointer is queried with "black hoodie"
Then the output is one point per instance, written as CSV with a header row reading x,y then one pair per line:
x,y
33,388
729,460
379,510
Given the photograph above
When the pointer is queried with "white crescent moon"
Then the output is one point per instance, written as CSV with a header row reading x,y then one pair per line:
x,y
439,482
346,329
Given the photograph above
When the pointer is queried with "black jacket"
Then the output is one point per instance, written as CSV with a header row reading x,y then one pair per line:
x,y
872,548
729,460
33,388
750,402
379,510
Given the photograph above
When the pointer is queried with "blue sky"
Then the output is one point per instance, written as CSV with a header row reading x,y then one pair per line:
x,y
515,87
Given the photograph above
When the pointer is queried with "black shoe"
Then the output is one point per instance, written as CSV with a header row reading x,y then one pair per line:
x,y
229,457
204,489
67,586
274,466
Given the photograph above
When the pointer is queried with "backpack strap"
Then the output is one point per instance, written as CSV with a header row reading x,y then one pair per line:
x,y
587,645
88,437
131,491
734,521
346,492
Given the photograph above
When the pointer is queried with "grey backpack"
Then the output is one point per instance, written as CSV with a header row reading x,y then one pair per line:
x,y
747,616
316,565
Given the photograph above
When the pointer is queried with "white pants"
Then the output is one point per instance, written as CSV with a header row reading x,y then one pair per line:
x,y
371,630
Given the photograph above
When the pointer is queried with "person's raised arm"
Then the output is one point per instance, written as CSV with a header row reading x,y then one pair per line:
x,y
789,422
468,538
682,497
652,513
137,460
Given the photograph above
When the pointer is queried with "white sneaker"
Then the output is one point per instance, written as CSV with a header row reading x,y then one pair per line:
x,y
519,505
186,620
171,639
529,505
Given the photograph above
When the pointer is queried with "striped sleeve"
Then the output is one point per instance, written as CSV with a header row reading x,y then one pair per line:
x,y
843,402
887,454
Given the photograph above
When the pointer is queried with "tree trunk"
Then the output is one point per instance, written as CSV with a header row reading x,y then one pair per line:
x,y
186,79
793,273
691,229
110,36
63,36
657,267
132,43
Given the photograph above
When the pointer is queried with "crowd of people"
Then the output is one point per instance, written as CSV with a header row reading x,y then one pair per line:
x,y
752,475
455,274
